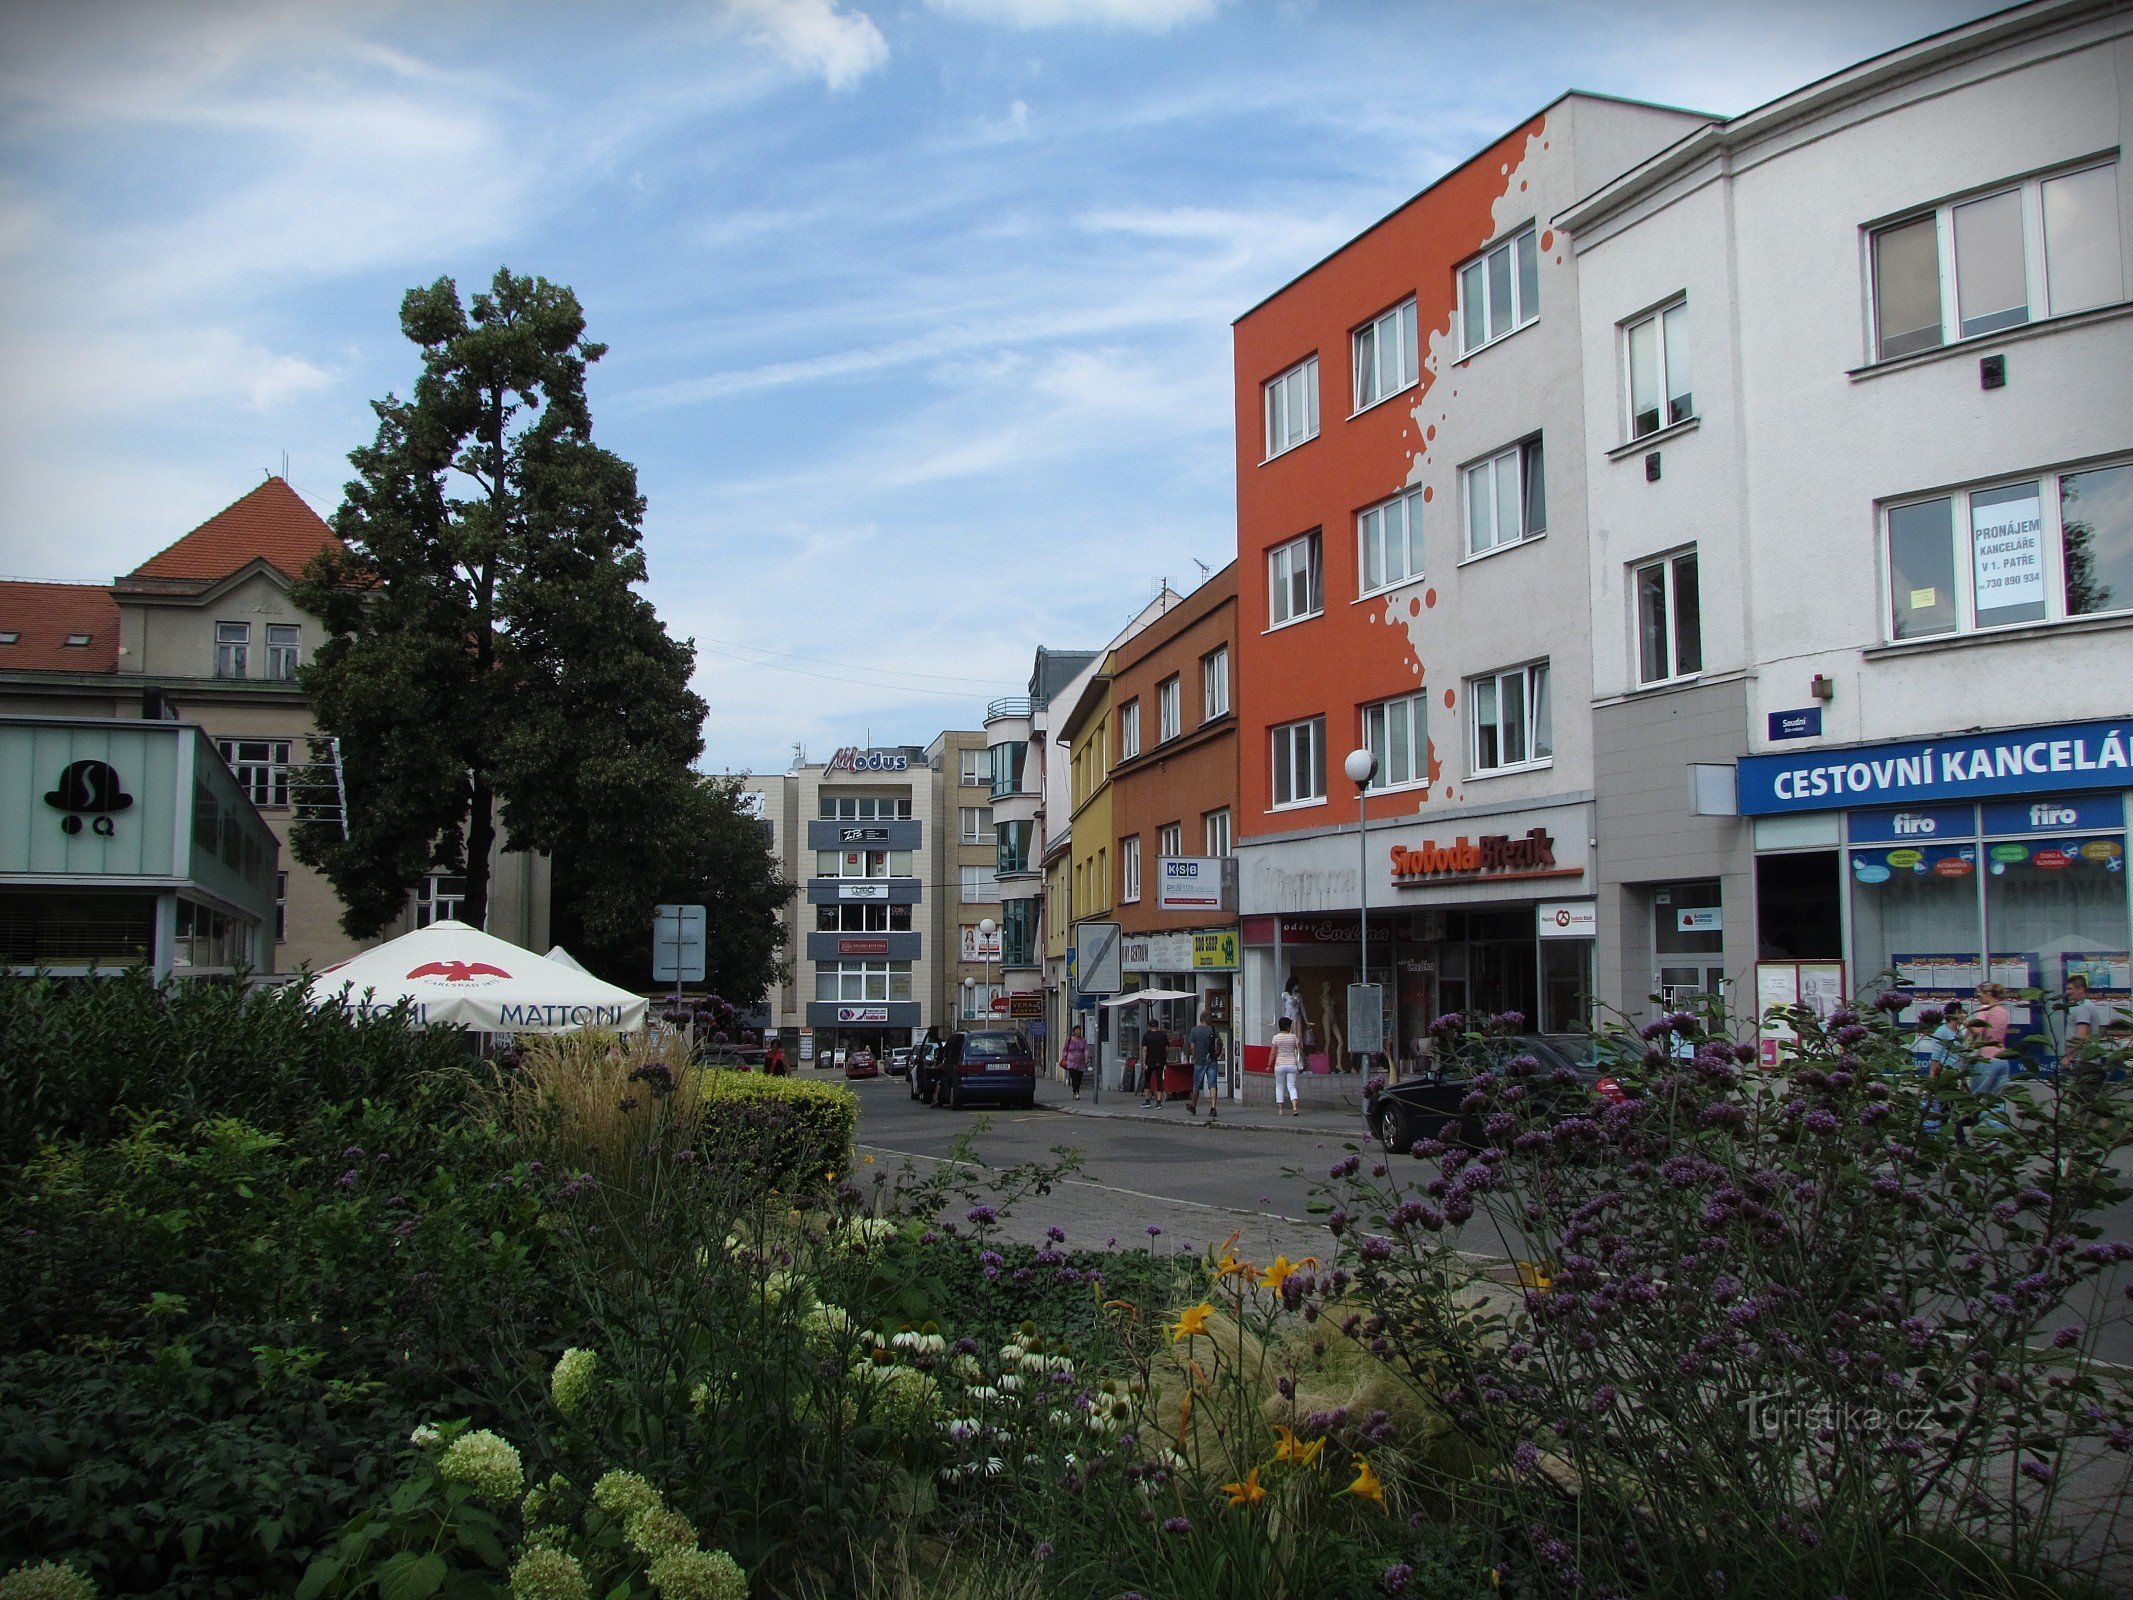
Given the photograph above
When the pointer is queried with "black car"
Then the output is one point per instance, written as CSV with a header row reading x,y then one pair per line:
x,y
978,1064
1428,1106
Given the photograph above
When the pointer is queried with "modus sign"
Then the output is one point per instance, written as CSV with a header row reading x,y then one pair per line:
x,y
853,759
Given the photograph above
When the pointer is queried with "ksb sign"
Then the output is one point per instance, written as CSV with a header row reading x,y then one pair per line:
x,y
1473,858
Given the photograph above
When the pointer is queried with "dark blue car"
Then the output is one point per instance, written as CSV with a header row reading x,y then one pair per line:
x,y
985,1064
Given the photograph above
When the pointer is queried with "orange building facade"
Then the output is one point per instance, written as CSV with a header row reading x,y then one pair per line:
x,y
1412,580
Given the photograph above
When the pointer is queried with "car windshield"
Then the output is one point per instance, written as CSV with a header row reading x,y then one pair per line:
x,y
993,1047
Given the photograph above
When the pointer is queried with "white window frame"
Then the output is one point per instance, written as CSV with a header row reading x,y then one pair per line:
x,y
1284,394
1170,841
1520,458
1675,669
978,886
1282,569
1669,325
1306,737
1520,249
1536,728
434,903
233,649
285,651
1129,730
1371,529
1129,869
1398,725
974,824
1214,684
2036,264
261,767
976,767
2051,495
1169,709
1366,345
1214,830
851,982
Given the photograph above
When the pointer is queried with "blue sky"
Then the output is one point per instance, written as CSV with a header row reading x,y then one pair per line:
x,y
918,311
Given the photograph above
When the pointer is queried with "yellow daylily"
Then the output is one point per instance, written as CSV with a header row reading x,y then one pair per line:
x,y
1278,1274
1190,1321
1230,1267
1294,1449
1366,1485
1247,1493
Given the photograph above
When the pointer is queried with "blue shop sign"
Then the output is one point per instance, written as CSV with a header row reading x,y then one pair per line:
x,y
1912,825
1805,723
1973,766
2085,813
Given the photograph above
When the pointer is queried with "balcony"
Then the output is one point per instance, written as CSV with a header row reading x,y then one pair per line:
x,y
1013,706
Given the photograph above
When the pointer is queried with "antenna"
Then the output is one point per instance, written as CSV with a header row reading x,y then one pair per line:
x,y
285,466
1206,571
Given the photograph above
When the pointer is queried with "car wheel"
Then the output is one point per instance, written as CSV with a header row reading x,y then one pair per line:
x,y
955,1095
1394,1134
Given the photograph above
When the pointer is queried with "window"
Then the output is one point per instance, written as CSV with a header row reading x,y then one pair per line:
x,y
1300,762
1669,620
1214,827
76,641
979,886
10,636
1296,580
977,767
847,981
284,650
1007,766
439,897
261,767
1386,357
1214,684
1169,709
1390,541
2045,247
1656,365
1510,719
974,824
1170,840
1129,867
1506,498
862,916
1129,730
1499,291
1397,733
233,649
2041,550
1292,408
281,908
865,807
862,863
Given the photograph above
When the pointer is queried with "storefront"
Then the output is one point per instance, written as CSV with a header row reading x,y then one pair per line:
x,y
1201,963
1936,865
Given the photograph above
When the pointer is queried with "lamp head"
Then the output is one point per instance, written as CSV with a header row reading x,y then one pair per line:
x,y
985,927
1361,766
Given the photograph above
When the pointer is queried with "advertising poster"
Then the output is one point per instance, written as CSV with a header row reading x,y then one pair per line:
x,y
2007,553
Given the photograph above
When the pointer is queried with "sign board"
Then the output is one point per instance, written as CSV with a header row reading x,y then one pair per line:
x,y
1568,919
1099,965
1029,1004
862,1013
1215,952
978,947
1699,919
876,835
2066,758
1189,883
1366,1018
999,1005
678,944
807,1044
1805,723
853,759
875,946
2007,553
1158,952
876,890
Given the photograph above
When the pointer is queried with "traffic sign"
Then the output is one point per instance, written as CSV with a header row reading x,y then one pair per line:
x,y
1099,958
678,938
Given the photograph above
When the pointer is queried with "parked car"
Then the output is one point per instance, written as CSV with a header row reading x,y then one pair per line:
x,y
1427,1106
861,1064
926,1067
736,1057
984,1064
898,1064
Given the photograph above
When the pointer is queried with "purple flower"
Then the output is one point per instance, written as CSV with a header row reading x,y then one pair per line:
x,y
1375,1248
1153,1231
981,1216
1343,1169
2066,1338
1395,1578
1177,1525
2038,1471
1527,1456
1043,1552
351,1178
1056,1234
1820,1121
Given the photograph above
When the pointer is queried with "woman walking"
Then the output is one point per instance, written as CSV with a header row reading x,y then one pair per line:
x,y
1075,1058
1288,1061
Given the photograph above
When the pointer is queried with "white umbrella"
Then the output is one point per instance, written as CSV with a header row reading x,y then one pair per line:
x,y
1139,996
457,976
563,958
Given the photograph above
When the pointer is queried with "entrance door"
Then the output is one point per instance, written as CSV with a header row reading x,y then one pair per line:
x,y
1688,942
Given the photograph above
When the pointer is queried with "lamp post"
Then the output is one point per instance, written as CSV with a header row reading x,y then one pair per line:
x,y
970,1004
986,929
1361,766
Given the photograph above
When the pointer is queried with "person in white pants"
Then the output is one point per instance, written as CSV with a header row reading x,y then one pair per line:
x,y
1288,1061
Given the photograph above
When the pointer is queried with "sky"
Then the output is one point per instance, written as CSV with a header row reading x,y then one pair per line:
x,y
918,310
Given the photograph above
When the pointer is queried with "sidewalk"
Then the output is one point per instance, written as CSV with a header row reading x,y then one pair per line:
x,y
1318,1121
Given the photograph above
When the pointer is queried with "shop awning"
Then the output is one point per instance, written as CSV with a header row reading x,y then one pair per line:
x,y
1139,996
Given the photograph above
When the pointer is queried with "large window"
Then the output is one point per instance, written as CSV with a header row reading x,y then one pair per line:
x,y
1011,847
1296,579
2046,247
2039,550
1292,408
1214,828
284,651
974,824
1499,290
1170,840
1389,542
261,767
1300,762
1129,730
862,863
1510,717
1506,498
1169,709
1655,365
977,767
439,897
233,649
1214,684
862,916
1397,733
864,807
1669,620
1129,867
848,981
1386,355
978,886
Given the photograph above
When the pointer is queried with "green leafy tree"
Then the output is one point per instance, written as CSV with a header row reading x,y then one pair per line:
x,y
489,662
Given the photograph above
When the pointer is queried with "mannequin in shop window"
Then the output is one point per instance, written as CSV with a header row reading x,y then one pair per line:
x,y
1336,1044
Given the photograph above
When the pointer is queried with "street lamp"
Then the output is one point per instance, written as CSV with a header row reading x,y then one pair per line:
x,y
970,989
1361,766
986,929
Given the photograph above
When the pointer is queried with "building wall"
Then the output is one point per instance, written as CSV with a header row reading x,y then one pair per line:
x,y
952,912
1089,735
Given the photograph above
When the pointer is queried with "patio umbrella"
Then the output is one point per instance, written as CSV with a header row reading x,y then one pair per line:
x,y
1140,996
563,958
460,977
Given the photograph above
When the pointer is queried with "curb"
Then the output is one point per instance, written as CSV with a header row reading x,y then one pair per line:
x,y
1358,1132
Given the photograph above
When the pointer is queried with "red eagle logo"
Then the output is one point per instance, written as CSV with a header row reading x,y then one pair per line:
x,y
457,971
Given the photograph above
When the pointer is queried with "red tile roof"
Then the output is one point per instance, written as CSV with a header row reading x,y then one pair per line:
x,y
43,615
272,522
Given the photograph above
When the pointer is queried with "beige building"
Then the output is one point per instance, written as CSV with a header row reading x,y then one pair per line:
x,y
967,894
206,631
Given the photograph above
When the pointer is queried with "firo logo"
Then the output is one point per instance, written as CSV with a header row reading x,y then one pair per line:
x,y
2053,816
1907,826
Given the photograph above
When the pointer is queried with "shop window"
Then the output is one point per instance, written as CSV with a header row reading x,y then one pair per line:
x,y
1798,907
2054,906
1915,917
1688,941
1566,985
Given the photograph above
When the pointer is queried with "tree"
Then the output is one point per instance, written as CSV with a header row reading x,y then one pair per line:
x,y
488,660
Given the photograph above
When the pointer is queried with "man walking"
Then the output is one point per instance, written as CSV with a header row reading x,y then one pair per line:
x,y
1206,1047
1155,1051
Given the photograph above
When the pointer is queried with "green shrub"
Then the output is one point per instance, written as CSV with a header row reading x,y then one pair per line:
x,y
779,1128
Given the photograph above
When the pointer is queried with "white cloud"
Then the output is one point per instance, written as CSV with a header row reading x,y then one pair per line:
x,y
816,36
1150,16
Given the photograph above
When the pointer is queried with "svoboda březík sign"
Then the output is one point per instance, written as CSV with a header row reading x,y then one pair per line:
x,y
1490,855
